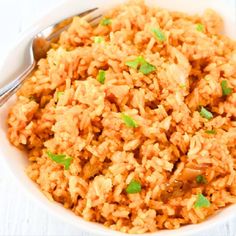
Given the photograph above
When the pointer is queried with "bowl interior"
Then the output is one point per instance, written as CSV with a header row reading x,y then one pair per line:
x,y
16,160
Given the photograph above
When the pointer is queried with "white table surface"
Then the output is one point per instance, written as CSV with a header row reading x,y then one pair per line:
x,y
19,215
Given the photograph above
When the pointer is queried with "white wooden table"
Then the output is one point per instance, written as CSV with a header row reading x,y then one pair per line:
x,y
18,214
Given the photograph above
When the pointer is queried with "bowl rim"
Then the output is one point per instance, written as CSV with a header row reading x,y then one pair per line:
x,y
85,225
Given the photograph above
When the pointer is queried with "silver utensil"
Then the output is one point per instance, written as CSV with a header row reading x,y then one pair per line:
x,y
39,47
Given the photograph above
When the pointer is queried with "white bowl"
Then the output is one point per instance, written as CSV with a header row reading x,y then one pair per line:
x,y
16,60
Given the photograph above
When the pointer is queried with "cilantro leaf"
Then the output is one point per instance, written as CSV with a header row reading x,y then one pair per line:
x,y
201,201
159,34
226,90
142,64
59,94
201,179
128,121
133,187
147,68
98,39
205,113
105,21
212,131
136,62
101,76
60,159
200,27
133,64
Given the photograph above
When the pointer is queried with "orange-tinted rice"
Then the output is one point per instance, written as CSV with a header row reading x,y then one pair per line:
x,y
170,146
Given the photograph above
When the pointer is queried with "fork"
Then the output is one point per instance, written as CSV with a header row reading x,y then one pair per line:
x,y
39,46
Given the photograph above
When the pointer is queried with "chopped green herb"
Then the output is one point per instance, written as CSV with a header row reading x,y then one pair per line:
x,y
200,27
98,39
201,179
201,201
212,131
133,64
60,159
59,94
136,62
147,68
205,113
105,21
134,187
159,34
101,76
182,86
226,90
144,66
128,121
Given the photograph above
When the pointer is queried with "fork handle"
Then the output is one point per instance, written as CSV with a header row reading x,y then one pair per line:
x,y
8,90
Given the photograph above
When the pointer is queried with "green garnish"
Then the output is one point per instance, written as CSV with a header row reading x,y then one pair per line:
x,y
159,34
201,201
98,39
147,68
101,76
225,88
212,131
133,187
128,121
59,94
105,21
60,159
205,113
200,27
182,86
135,63
201,179
142,64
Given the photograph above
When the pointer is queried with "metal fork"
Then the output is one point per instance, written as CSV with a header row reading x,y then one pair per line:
x,y
39,47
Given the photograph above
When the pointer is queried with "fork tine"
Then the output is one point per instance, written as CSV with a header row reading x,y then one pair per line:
x,y
89,16
82,14
93,16
95,20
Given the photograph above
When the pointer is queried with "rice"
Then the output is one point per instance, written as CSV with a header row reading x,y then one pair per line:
x,y
134,124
